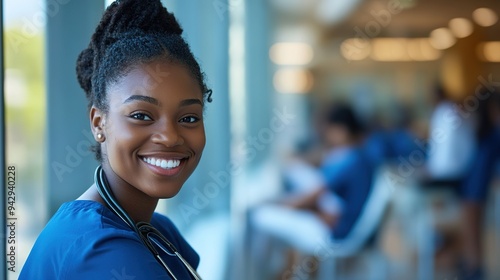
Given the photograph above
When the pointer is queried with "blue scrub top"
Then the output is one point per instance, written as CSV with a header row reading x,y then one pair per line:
x,y
387,146
85,240
349,175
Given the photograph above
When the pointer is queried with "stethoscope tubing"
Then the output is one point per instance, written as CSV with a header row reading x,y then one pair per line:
x,y
108,197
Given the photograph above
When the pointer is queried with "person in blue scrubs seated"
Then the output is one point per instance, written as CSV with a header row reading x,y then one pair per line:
x,y
146,96
327,200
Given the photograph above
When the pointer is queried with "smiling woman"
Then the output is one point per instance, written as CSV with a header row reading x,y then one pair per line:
x,y
151,130
146,96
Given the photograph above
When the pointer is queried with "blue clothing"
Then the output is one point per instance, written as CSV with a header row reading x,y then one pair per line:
x,y
85,240
349,175
475,185
389,145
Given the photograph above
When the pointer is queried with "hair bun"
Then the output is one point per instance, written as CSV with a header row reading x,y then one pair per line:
x,y
148,16
121,19
84,70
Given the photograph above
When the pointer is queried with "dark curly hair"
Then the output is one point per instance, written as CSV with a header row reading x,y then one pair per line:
x,y
343,114
132,32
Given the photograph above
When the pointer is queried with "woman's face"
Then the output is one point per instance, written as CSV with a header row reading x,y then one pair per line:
x,y
154,131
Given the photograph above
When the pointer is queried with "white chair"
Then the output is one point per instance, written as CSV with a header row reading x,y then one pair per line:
x,y
366,226
329,251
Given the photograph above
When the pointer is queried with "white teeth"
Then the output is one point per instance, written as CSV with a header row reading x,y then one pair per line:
x,y
163,163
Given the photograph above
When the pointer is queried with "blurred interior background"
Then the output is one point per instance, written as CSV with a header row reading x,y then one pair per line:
x,y
273,66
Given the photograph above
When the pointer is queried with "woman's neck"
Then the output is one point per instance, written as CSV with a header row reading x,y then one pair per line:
x,y
139,206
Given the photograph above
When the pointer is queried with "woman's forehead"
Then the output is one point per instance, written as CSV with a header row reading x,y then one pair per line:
x,y
156,78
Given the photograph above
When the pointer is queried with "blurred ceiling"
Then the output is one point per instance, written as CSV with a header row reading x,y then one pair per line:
x,y
417,19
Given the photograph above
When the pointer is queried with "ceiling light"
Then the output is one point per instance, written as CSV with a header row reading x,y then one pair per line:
x,y
461,27
420,49
489,51
442,38
293,81
355,49
485,17
291,53
390,49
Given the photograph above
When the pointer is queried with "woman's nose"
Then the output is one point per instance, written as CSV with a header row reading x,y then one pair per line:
x,y
167,134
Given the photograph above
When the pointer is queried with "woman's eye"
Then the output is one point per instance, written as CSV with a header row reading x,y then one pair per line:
x,y
190,119
141,116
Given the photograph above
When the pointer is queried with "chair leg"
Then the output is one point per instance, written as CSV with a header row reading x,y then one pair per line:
x,y
301,267
378,266
260,250
291,259
426,247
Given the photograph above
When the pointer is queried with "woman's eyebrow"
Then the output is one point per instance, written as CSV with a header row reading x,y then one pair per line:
x,y
142,98
187,102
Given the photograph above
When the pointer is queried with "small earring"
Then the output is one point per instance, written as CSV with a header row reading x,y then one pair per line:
x,y
99,136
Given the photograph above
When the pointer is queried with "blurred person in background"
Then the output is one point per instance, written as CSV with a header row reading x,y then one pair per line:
x,y
327,199
450,150
475,187
390,142
346,170
451,143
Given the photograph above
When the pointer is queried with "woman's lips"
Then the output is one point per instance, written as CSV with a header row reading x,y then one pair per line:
x,y
164,166
163,163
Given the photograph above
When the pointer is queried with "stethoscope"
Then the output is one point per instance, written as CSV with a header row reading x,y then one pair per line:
x,y
147,233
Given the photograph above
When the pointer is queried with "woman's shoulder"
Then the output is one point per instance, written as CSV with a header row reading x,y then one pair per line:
x,y
85,240
81,223
80,233
83,215
93,225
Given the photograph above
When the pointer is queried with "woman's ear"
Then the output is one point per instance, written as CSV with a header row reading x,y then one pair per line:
x,y
97,122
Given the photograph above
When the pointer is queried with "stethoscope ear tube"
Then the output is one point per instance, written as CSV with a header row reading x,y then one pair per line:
x,y
107,196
